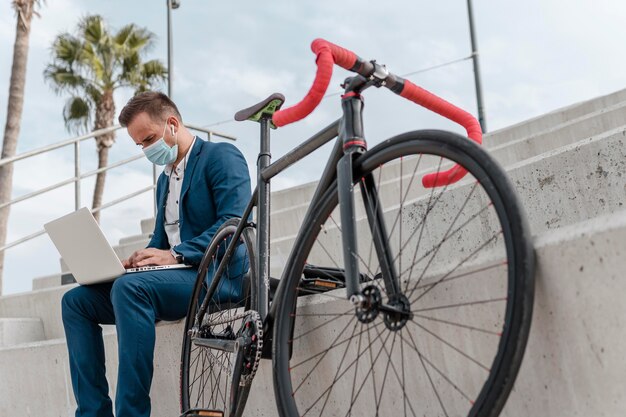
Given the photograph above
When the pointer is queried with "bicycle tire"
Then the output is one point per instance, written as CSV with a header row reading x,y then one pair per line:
x,y
299,380
215,385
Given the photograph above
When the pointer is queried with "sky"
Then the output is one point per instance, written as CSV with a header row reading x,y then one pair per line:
x,y
535,56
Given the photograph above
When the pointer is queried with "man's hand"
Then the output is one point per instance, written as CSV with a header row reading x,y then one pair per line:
x,y
149,256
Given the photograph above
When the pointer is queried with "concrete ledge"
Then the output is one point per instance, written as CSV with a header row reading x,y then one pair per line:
x,y
550,120
47,281
135,238
43,305
16,331
147,226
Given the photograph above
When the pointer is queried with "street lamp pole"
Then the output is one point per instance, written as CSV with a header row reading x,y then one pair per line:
x,y
171,4
479,91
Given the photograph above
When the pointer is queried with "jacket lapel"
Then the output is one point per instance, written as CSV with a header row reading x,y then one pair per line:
x,y
191,165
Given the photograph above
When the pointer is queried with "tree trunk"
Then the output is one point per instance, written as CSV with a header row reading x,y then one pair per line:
x,y
15,106
105,112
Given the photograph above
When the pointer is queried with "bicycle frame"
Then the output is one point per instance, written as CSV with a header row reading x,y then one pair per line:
x,y
351,143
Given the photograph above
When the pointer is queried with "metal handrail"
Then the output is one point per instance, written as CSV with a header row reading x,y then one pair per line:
x,y
78,176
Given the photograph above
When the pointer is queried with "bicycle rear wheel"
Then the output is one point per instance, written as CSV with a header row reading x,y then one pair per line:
x,y
206,373
465,264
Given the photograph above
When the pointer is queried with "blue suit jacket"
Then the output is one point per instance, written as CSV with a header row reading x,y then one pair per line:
x,y
216,187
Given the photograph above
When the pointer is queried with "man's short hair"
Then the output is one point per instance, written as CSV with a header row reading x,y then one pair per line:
x,y
157,105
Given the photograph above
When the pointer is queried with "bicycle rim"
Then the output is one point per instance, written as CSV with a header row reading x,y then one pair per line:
x,y
463,255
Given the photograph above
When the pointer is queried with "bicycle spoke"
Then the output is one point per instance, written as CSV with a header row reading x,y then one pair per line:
x,y
314,329
445,342
356,368
430,379
444,376
373,362
469,303
471,255
395,371
408,188
444,237
336,375
465,326
323,356
375,209
341,375
334,345
467,274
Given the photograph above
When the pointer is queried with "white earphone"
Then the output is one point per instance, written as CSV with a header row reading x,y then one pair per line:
x,y
172,129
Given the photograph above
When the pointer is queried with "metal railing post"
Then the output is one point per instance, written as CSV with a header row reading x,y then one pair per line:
x,y
77,175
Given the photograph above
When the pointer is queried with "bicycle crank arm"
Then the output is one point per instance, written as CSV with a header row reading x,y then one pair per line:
x,y
218,344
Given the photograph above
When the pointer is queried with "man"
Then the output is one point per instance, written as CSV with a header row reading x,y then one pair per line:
x,y
203,184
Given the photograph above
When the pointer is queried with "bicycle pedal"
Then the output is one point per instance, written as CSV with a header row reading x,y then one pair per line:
x,y
203,413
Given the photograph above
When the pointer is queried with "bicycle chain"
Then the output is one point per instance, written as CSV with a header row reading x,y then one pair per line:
x,y
257,325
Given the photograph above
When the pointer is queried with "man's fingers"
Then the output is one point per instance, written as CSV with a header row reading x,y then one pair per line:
x,y
143,254
152,260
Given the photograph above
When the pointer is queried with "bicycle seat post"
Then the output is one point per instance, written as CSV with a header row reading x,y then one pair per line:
x,y
263,216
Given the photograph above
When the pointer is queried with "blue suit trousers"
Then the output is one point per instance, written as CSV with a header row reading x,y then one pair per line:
x,y
133,302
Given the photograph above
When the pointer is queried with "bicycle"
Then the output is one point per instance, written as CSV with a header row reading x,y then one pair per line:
x,y
409,286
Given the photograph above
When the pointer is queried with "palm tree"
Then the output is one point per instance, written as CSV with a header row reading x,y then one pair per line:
x,y
90,66
24,10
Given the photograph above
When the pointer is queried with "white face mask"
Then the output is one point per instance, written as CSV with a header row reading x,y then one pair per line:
x,y
159,153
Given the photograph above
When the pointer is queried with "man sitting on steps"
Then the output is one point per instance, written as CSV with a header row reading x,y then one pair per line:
x,y
202,186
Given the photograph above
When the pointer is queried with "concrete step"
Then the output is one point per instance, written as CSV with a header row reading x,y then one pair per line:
x,y
17,331
135,238
597,123
47,281
147,226
507,151
553,119
574,349
44,305
563,186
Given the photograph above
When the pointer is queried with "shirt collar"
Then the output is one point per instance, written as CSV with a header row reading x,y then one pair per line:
x,y
180,170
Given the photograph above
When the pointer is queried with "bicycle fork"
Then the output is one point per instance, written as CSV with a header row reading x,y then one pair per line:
x,y
368,302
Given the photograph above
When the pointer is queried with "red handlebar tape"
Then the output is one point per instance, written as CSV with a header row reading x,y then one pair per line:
x,y
327,55
448,110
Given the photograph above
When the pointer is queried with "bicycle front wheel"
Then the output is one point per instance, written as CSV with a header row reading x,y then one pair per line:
x,y
463,265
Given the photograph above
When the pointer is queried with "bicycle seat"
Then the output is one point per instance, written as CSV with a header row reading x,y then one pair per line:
x,y
265,107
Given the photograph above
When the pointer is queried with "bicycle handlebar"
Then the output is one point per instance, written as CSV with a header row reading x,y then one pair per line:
x,y
329,54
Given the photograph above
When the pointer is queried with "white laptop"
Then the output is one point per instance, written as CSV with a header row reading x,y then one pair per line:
x,y
85,250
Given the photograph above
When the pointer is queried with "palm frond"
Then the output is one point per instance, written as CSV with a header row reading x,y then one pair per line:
x,y
122,35
67,48
154,70
77,114
63,79
91,29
